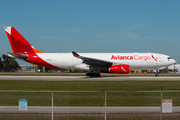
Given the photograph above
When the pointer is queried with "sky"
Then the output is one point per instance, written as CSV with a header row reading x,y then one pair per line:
x,y
107,26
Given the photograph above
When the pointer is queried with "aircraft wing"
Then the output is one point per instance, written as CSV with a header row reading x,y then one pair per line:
x,y
93,61
18,56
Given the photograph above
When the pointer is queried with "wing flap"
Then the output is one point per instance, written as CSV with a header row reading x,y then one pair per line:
x,y
93,61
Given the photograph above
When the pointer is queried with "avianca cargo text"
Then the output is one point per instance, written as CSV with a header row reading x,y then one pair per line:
x,y
134,57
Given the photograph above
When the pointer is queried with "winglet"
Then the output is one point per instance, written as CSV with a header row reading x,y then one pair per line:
x,y
75,54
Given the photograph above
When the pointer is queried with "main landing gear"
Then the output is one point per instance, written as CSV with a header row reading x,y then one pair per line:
x,y
93,74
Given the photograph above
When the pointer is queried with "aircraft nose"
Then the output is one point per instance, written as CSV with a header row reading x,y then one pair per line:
x,y
173,61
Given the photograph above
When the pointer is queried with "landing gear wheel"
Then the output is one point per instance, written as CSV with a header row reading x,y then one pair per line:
x,y
88,74
93,74
98,74
157,75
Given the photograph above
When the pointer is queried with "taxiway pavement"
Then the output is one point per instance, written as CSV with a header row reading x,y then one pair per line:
x,y
82,78
48,109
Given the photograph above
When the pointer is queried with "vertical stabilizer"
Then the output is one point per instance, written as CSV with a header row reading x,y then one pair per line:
x,y
18,43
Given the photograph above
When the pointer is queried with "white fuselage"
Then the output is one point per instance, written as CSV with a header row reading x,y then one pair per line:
x,y
134,60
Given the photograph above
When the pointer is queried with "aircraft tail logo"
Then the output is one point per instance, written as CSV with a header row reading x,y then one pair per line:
x,y
18,43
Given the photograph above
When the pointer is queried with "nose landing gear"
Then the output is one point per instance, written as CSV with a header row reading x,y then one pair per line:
x,y
157,75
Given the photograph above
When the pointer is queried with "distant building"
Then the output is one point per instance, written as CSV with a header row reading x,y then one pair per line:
x,y
28,68
175,67
139,71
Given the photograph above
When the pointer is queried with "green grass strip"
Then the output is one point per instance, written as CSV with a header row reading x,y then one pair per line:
x,y
89,99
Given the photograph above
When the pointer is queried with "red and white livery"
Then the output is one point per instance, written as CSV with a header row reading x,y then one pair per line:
x,y
94,62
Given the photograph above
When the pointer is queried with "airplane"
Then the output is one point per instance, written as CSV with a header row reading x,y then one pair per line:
x,y
94,63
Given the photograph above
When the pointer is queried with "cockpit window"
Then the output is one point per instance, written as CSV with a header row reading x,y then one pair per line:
x,y
169,58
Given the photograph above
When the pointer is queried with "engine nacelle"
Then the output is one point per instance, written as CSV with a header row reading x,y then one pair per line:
x,y
121,69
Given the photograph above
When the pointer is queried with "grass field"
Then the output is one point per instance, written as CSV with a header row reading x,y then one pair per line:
x,y
90,98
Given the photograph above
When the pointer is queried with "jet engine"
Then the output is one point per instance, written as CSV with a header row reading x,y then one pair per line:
x,y
121,69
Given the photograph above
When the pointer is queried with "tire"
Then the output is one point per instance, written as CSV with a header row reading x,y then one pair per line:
x,y
157,75
88,74
98,74
93,74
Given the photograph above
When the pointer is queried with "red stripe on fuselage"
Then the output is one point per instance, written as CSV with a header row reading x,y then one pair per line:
x,y
35,59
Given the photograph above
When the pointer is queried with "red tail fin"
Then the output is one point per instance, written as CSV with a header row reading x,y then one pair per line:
x,y
18,43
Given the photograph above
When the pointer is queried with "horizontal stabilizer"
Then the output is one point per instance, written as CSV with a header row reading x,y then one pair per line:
x,y
18,56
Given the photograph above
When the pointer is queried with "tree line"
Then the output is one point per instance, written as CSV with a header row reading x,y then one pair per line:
x,y
9,64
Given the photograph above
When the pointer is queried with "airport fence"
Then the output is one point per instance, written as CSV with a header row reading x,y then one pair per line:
x,y
91,99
